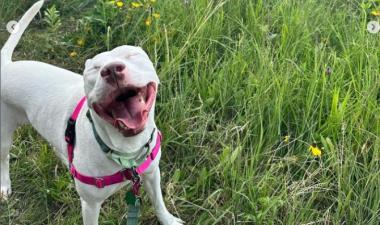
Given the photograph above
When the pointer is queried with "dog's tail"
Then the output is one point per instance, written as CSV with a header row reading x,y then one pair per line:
x,y
10,45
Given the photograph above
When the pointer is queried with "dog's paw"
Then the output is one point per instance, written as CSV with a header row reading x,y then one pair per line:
x,y
5,192
169,219
176,221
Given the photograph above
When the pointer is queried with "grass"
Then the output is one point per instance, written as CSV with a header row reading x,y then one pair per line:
x,y
236,77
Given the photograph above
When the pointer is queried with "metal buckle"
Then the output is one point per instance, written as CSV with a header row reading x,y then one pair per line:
x,y
99,182
70,131
136,179
136,182
136,176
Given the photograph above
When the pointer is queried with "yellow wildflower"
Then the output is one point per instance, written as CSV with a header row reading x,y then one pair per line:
x,y
73,54
376,12
315,151
156,15
148,21
80,42
286,138
136,4
119,4
153,1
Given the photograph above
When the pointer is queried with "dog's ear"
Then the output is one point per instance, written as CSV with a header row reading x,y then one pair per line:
x,y
88,62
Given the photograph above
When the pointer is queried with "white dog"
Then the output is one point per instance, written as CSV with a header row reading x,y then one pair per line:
x,y
120,86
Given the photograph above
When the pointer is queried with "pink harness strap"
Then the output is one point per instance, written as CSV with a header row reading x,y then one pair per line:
x,y
78,108
141,169
118,177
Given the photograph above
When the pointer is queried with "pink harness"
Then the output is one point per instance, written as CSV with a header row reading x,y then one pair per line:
x,y
132,174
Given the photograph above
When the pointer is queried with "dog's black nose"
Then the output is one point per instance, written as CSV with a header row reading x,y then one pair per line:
x,y
115,69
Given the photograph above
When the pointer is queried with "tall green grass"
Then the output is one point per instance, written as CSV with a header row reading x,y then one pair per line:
x,y
236,77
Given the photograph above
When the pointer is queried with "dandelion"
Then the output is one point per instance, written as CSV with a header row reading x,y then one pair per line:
x,y
73,54
148,21
315,151
286,139
80,42
156,15
136,4
376,12
119,4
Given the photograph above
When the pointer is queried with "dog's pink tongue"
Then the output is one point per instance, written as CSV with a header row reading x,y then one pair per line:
x,y
132,113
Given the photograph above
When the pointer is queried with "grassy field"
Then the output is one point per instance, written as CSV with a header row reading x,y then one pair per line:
x,y
246,87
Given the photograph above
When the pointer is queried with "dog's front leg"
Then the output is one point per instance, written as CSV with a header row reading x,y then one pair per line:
x,y
152,185
90,212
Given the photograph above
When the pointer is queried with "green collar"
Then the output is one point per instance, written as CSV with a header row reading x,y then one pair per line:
x,y
126,160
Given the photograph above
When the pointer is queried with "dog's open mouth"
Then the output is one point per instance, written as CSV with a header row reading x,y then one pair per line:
x,y
127,108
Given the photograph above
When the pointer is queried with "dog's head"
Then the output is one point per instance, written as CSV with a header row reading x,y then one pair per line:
x,y
121,87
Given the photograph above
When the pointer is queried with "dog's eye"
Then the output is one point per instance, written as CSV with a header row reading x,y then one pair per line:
x,y
132,55
96,67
